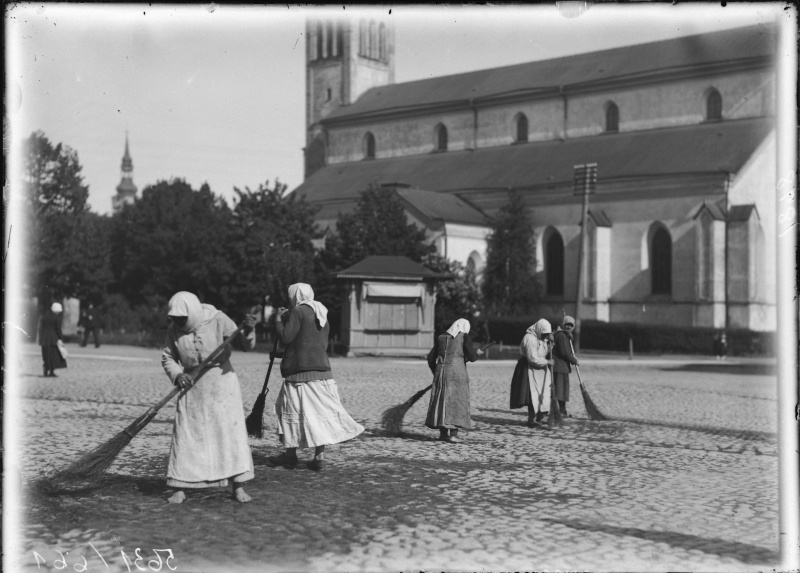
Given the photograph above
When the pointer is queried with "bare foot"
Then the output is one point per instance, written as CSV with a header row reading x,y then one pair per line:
x,y
240,496
177,497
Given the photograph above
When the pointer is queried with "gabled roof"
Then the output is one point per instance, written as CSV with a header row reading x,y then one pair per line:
x,y
387,267
755,44
443,206
600,218
715,210
742,212
714,147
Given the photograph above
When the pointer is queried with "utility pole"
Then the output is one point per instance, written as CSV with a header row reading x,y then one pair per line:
x,y
584,183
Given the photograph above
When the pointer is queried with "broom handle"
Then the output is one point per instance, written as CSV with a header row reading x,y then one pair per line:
x,y
198,371
269,369
577,368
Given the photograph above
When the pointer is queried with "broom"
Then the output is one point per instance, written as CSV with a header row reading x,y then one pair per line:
x,y
392,418
591,409
254,422
92,465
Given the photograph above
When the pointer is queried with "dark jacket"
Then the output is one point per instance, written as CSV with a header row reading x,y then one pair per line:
x,y
305,342
563,356
49,329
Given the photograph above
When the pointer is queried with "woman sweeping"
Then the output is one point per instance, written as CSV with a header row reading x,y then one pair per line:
x,y
49,339
449,406
309,411
209,440
563,359
535,347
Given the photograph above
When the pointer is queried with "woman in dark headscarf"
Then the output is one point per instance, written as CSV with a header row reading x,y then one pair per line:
x,y
209,438
50,339
309,411
449,406
563,359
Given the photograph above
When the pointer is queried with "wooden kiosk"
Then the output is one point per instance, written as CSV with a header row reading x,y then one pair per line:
x,y
388,307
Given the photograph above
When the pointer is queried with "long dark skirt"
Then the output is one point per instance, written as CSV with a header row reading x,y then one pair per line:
x,y
449,405
561,382
52,359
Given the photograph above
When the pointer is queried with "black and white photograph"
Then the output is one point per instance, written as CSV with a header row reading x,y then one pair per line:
x,y
376,288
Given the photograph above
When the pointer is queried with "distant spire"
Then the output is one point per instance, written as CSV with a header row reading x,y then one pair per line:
x,y
127,162
126,190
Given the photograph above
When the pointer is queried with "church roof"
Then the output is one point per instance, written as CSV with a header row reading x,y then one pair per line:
x,y
698,53
443,206
387,267
712,147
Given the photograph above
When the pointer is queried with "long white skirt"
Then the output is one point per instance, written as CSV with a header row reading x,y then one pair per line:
x,y
311,414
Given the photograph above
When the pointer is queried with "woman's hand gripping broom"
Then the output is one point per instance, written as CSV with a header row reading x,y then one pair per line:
x,y
92,465
392,418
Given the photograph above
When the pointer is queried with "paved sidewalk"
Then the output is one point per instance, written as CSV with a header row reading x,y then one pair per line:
x,y
684,476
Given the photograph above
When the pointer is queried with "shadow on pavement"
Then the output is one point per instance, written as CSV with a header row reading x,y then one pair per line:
x,y
750,369
724,548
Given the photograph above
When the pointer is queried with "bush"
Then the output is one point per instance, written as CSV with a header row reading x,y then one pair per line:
x,y
649,339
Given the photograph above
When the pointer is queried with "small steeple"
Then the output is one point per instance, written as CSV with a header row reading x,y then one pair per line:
x,y
126,190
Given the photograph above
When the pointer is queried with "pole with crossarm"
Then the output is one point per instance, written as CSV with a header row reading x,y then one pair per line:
x,y
584,183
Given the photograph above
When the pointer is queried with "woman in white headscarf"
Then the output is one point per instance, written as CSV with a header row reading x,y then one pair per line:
x,y
209,439
535,347
309,411
448,410
50,339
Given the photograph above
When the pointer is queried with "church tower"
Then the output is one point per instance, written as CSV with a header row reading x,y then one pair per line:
x,y
344,58
126,190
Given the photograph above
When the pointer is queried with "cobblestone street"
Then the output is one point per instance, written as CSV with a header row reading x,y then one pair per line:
x,y
684,477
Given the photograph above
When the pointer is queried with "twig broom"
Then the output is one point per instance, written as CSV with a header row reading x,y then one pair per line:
x,y
255,421
92,465
392,418
591,409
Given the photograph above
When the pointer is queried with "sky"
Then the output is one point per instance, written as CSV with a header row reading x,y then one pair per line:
x,y
216,94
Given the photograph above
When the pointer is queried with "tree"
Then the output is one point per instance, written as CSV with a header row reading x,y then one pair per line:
x,y
52,177
271,243
377,226
509,283
68,255
174,238
456,297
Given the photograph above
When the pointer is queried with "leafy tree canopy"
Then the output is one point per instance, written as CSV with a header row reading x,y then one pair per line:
x,y
52,177
271,244
456,297
509,284
174,238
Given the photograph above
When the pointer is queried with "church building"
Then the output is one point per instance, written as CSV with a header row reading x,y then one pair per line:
x,y
681,223
126,190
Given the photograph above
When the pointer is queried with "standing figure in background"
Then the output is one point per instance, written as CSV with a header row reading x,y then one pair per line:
x,y
90,323
536,347
209,439
50,338
563,359
721,346
449,406
309,411
268,320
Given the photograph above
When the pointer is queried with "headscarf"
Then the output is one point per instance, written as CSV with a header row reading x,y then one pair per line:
x,y
540,327
461,325
187,304
568,320
303,294
56,307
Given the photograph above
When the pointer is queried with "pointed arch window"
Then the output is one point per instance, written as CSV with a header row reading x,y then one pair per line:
x,y
372,40
522,128
382,42
329,38
612,117
554,264
319,40
440,132
661,262
713,105
369,146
